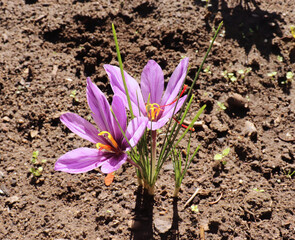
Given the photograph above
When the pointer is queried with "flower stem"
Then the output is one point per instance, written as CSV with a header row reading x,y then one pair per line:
x,y
151,189
176,191
154,155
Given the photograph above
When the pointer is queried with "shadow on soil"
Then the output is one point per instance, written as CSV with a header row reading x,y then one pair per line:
x,y
142,226
248,24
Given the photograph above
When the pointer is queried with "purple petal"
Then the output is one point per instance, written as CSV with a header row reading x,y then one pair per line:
x,y
136,129
113,163
152,82
175,82
80,160
80,126
166,115
117,85
156,125
168,111
120,113
100,107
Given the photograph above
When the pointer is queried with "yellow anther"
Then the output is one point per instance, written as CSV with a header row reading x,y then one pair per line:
x,y
110,148
101,146
153,110
115,144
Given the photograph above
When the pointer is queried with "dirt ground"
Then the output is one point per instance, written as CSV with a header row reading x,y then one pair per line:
x,y
48,48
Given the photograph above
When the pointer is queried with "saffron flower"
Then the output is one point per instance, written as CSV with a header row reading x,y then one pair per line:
x,y
111,144
149,100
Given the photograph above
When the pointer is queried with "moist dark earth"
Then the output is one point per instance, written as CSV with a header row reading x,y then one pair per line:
x,y
48,48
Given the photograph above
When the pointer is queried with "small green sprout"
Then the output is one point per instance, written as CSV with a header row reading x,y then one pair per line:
x,y
289,76
35,157
289,173
208,4
232,77
219,157
229,75
207,69
73,95
37,172
221,106
272,75
258,190
243,72
195,208
37,169
280,58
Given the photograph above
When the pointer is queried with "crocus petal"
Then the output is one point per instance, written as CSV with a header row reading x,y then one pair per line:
x,y
113,163
156,125
80,126
100,107
136,129
117,85
120,113
169,110
80,160
166,115
175,82
152,82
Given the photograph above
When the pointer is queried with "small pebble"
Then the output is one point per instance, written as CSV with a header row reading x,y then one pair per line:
x,y
12,199
250,130
6,119
34,133
237,101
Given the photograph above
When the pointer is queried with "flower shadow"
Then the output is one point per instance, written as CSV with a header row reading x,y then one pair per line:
x,y
142,225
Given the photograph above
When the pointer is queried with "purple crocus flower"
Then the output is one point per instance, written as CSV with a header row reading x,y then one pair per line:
x,y
110,142
149,100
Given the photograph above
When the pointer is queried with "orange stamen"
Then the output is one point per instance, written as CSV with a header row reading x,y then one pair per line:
x,y
183,125
110,148
182,92
153,110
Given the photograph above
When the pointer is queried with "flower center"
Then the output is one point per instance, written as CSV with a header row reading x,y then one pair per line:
x,y
153,110
112,147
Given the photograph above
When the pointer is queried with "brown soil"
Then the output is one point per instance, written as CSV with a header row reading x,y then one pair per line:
x,y
47,48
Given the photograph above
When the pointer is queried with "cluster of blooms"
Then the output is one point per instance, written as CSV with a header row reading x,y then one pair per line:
x,y
113,137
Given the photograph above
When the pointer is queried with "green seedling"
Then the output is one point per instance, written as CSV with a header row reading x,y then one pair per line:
x,y
37,169
289,173
221,106
220,157
280,58
289,77
74,96
272,75
208,4
207,69
229,75
195,208
242,73
258,190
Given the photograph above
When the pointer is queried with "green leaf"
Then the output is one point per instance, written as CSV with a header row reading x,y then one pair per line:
x,y
195,208
289,75
225,152
218,157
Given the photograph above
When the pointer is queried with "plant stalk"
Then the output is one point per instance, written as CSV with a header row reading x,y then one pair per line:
x,y
176,191
154,155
